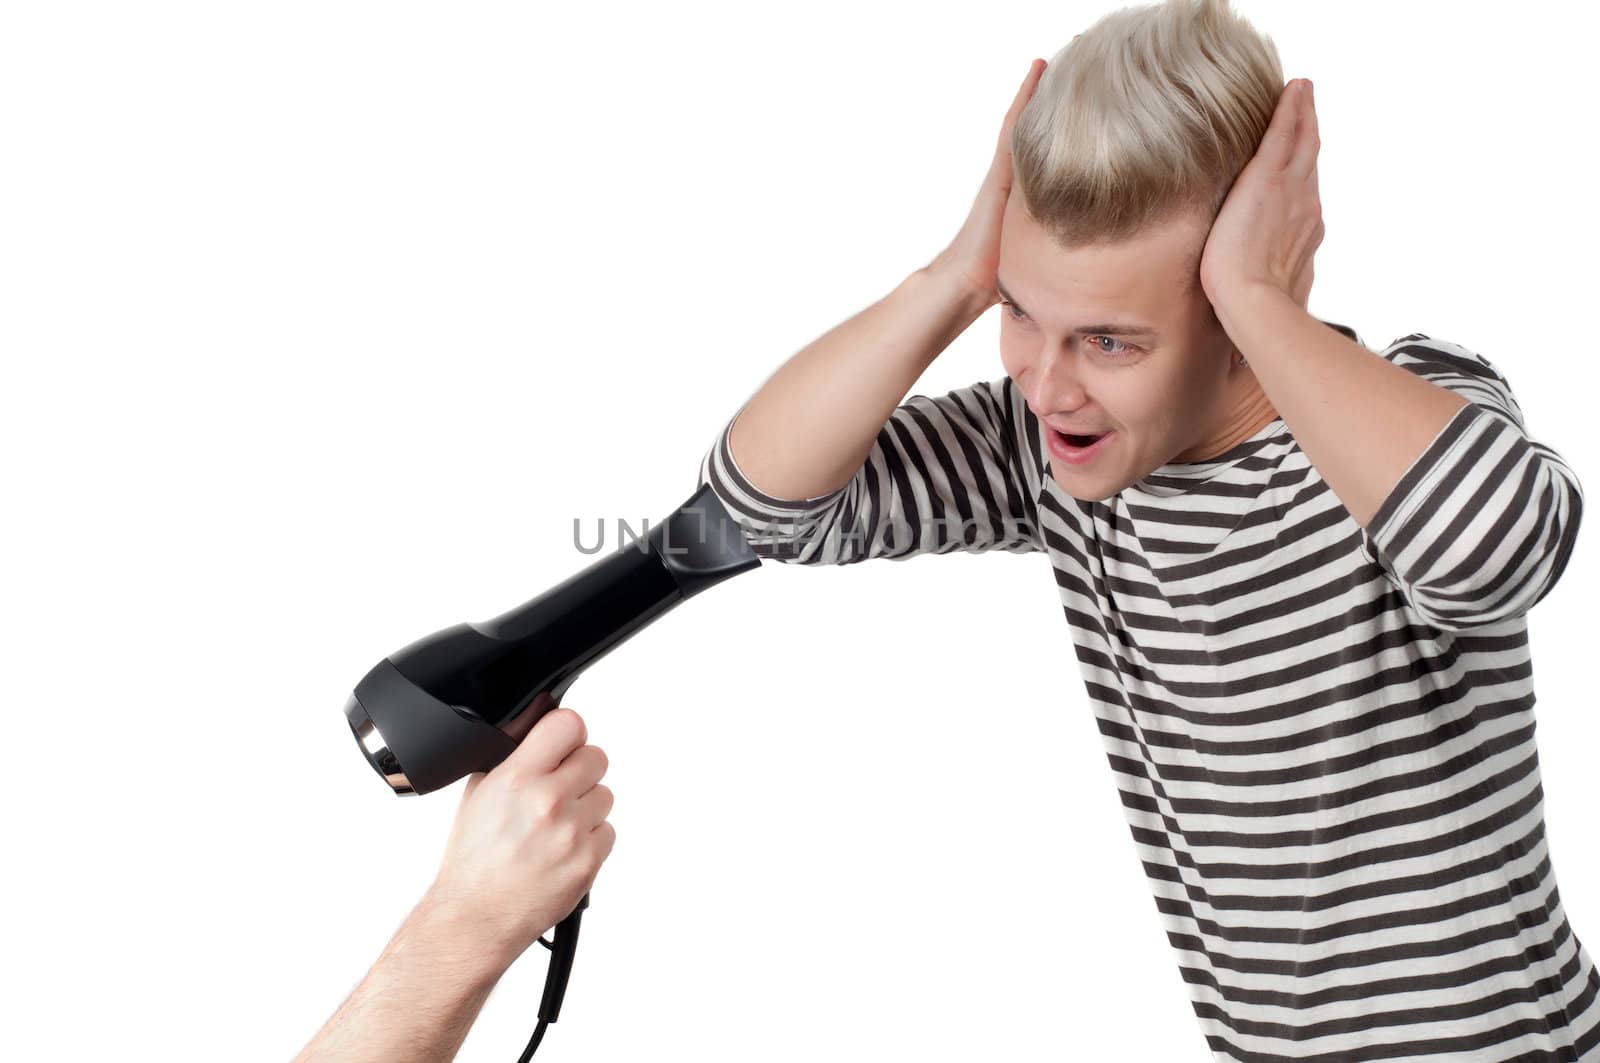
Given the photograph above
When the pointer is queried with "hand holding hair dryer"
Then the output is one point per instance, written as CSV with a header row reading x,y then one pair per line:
x,y
459,700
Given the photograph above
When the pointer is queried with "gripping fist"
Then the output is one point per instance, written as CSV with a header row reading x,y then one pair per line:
x,y
528,837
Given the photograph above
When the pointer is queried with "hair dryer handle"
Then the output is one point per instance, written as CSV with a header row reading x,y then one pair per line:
x,y
563,944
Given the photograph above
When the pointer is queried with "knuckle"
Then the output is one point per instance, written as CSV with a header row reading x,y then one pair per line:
x,y
567,724
545,808
605,836
568,834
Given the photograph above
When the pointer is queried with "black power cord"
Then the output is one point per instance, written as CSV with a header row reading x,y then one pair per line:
x,y
533,1042
555,979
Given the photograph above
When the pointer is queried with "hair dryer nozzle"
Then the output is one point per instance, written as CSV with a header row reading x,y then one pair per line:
x,y
376,748
701,544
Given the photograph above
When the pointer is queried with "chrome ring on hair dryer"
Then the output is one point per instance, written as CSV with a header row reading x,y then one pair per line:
x,y
459,700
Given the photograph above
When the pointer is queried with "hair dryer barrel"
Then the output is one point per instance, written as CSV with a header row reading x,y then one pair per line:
x,y
458,701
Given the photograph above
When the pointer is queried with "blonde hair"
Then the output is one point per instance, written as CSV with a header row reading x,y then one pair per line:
x,y
1149,113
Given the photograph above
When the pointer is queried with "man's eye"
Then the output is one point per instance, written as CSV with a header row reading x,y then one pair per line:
x,y
1120,350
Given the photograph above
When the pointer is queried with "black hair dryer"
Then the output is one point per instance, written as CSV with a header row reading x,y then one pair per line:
x,y
459,700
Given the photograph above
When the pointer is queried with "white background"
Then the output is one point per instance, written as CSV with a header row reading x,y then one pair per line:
x,y
323,323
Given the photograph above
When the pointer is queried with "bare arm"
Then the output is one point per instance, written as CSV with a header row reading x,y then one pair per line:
x,y
837,393
810,427
528,839
419,999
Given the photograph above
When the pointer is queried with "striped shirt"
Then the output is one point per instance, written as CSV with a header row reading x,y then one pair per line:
x,y
1322,735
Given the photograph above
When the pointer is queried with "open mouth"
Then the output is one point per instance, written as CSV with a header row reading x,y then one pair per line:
x,y
1077,439
1075,448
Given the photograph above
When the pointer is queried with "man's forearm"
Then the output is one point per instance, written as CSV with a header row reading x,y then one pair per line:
x,y
1361,420
810,427
417,1002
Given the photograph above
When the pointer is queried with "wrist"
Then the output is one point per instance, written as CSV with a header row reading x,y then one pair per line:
x,y
954,286
1239,305
438,928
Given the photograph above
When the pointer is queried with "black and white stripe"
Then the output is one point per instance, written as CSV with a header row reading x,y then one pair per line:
x,y
1323,735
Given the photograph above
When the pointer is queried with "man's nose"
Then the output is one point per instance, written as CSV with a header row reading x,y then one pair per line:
x,y
1053,380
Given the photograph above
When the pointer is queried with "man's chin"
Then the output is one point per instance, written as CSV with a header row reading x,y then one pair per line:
x,y
1086,490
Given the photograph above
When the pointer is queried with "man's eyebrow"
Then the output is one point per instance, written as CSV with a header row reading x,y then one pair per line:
x,y
1087,330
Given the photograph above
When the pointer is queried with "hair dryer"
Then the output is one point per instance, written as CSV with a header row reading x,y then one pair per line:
x,y
459,700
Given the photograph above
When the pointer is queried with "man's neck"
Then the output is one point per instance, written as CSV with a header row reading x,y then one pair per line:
x,y
1249,412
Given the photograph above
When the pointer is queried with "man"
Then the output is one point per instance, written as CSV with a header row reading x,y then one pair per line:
x,y
527,842
1296,572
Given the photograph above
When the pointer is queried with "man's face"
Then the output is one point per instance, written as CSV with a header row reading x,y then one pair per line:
x,y
1162,395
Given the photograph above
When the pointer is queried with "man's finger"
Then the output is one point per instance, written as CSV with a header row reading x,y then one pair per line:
x,y
1025,90
1278,144
557,733
1308,141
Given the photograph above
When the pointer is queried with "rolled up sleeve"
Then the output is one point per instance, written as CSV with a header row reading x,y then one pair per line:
x,y
944,474
1481,527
